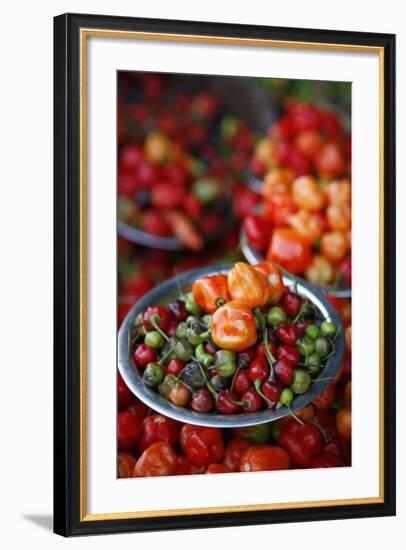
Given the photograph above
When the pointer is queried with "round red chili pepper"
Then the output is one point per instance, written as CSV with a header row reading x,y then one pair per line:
x,y
144,355
158,428
203,446
233,453
224,404
289,353
242,382
259,369
129,429
287,334
302,442
159,314
284,371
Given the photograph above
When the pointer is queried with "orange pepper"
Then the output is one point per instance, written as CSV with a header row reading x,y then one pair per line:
x,y
307,195
307,225
343,422
288,249
334,245
338,191
274,278
211,292
277,182
248,285
339,216
125,464
320,272
233,326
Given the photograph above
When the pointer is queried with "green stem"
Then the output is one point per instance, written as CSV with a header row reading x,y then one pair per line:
x,y
154,323
294,416
301,310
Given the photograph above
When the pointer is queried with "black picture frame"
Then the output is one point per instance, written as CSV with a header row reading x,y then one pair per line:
x,y
67,437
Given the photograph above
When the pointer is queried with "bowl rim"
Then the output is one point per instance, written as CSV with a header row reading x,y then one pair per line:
x,y
158,403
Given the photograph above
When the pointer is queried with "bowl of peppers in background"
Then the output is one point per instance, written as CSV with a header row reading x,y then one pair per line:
x,y
304,220
182,156
230,346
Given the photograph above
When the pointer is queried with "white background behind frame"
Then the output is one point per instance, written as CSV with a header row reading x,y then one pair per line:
x,y
26,504
105,57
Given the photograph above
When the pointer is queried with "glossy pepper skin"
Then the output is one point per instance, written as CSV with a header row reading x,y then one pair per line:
x,y
274,277
302,442
203,446
233,326
210,292
288,249
248,285
264,457
158,460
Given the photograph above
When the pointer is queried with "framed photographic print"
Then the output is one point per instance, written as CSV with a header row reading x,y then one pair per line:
x,y
224,274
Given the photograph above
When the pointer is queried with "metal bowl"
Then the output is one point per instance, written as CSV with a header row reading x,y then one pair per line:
x,y
149,240
165,292
254,257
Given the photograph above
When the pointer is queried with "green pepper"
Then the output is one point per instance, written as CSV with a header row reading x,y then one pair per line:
x,y
314,360
225,361
322,346
276,316
154,339
153,375
207,190
327,328
305,346
183,350
301,381
181,330
191,306
257,435
228,127
312,331
167,385
286,396
204,358
196,331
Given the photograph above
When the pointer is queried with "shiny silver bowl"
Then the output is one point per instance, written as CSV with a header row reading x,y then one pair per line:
x,y
168,290
254,257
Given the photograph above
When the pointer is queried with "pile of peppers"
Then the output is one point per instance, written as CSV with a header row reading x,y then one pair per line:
x,y
234,343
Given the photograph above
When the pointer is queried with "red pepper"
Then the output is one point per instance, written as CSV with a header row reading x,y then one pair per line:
x,y
327,461
287,334
289,353
233,452
159,428
242,382
264,457
257,230
203,446
158,460
289,250
302,442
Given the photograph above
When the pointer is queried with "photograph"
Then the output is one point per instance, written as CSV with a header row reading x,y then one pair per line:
x,y
225,274
234,274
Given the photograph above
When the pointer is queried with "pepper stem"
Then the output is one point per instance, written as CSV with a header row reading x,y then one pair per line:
x,y
154,320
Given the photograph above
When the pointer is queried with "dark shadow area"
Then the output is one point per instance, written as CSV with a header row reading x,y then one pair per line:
x,y
43,520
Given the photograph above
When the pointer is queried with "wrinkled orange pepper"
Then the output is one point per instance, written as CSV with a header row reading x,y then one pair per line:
x,y
307,225
274,278
233,326
211,292
248,285
307,195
